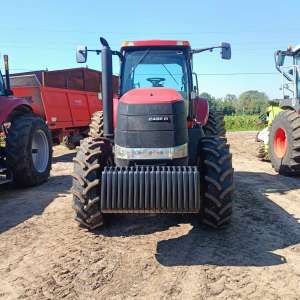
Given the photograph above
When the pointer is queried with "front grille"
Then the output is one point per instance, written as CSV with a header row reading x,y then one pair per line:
x,y
150,189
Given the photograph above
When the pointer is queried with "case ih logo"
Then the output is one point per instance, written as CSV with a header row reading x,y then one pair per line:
x,y
159,119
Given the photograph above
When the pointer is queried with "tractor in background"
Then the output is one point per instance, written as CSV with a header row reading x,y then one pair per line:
x,y
147,151
25,140
280,140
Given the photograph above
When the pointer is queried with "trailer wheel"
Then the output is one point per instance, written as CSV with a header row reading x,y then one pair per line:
x,y
215,125
96,125
92,156
29,150
284,143
216,182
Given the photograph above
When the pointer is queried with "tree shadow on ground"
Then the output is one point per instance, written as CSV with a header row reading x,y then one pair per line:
x,y
18,205
259,227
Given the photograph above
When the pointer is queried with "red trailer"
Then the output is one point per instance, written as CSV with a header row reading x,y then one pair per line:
x,y
39,108
65,99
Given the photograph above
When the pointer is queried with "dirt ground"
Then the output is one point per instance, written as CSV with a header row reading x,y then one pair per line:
x,y
45,255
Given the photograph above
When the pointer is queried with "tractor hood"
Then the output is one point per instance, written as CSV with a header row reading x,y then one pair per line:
x,y
155,95
151,127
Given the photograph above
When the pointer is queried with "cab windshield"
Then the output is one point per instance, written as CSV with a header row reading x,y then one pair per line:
x,y
2,87
155,68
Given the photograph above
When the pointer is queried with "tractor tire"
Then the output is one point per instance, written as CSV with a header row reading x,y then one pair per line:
x,y
215,125
29,150
284,143
262,153
92,156
67,140
216,182
96,125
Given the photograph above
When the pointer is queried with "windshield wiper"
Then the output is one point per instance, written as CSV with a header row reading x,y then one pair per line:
x,y
139,61
170,74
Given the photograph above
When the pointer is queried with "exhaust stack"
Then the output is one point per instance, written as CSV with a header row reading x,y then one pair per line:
x,y
107,89
6,68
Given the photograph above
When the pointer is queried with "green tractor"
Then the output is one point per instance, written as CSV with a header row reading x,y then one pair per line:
x,y
280,140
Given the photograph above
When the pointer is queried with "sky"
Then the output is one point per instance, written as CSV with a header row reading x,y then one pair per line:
x,y
44,34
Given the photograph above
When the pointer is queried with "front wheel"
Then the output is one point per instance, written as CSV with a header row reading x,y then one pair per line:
x,y
29,150
96,125
217,185
93,155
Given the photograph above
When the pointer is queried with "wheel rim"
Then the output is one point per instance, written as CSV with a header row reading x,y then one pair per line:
x,y
40,151
280,143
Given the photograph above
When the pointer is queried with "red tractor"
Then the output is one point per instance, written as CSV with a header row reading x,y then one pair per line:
x,y
147,151
25,140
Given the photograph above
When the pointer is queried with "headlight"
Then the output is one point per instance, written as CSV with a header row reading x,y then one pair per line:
x,y
151,153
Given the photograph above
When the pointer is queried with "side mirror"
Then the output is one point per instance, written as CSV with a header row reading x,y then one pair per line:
x,y
280,57
81,54
291,72
226,51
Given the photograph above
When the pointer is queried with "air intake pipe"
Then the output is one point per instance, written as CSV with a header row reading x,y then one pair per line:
x,y
7,78
107,89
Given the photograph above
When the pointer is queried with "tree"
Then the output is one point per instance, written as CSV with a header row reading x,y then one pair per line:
x,y
230,102
252,102
249,102
211,100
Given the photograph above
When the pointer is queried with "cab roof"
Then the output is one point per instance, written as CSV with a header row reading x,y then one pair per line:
x,y
296,49
156,43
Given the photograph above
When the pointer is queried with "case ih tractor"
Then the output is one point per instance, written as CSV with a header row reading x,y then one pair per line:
x,y
25,141
280,140
147,151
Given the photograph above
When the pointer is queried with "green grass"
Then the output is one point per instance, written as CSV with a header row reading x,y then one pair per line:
x,y
242,123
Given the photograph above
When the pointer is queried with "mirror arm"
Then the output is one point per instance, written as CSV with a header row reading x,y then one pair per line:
x,y
199,50
91,50
118,53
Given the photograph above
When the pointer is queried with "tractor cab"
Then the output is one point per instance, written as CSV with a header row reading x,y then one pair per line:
x,y
157,64
288,64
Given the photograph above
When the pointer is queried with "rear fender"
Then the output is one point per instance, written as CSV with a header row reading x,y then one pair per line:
x,y
201,110
9,105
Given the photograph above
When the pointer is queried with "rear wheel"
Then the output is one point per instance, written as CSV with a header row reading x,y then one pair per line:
x,y
215,163
93,155
284,143
96,125
215,125
29,150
